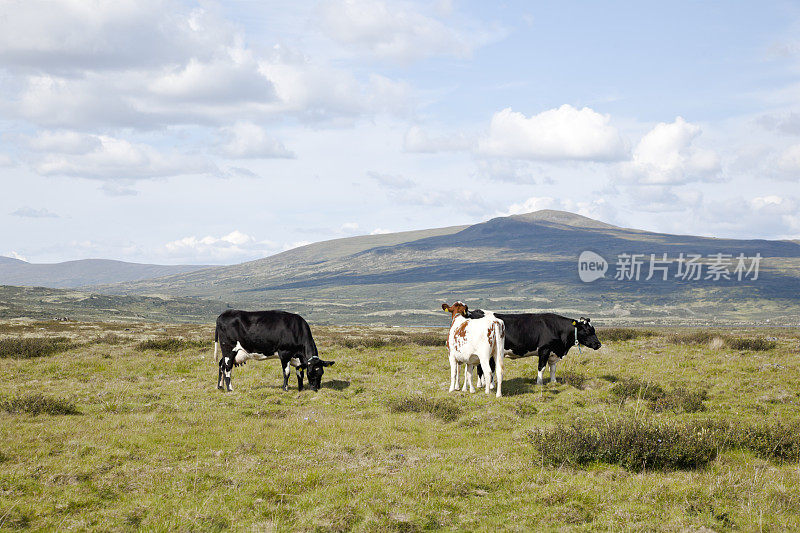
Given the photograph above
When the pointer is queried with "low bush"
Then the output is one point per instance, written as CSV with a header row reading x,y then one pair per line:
x,y
636,444
443,408
754,345
420,339
29,347
171,344
678,399
735,343
633,388
109,338
36,404
623,334
574,379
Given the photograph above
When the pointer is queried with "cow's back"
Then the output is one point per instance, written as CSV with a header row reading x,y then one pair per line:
x,y
525,332
266,331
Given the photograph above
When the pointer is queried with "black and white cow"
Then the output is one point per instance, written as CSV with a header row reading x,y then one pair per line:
x,y
244,335
548,335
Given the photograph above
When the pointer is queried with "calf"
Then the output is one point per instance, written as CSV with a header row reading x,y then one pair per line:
x,y
549,335
474,341
245,335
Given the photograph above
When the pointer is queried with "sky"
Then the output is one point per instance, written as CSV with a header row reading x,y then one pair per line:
x,y
175,132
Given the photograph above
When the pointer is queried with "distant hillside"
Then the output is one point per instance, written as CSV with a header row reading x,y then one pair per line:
x,y
47,304
519,263
81,273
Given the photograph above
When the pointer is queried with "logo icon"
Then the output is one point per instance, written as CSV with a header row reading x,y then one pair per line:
x,y
591,266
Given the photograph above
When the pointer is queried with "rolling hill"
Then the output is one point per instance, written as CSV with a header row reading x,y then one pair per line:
x,y
81,273
519,263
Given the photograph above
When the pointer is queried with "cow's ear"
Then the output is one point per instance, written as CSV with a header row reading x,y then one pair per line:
x,y
445,307
574,323
328,363
588,319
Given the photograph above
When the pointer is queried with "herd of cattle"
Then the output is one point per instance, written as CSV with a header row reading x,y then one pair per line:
x,y
477,338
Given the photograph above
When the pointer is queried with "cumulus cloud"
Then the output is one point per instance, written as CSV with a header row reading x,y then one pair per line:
x,y
771,216
6,161
559,134
236,245
667,155
391,181
63,142
30,212
597,209
391,30
349,227
788,163
115,158
379,231
245,139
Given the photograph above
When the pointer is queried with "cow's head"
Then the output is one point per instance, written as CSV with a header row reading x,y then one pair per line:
x,y
315,368
586,333
458,308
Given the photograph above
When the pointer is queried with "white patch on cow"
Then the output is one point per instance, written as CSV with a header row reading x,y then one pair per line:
x,y
539,380
294,361
228,374
243,355
287,370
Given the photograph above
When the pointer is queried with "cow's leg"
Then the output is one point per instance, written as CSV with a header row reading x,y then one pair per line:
x,y
544,355
498,373
221,375
553,372
285,372
492,376
299,372
468,378
453,374
480,376
228,368
487,371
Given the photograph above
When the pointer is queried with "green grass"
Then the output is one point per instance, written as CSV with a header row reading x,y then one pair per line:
x,y
383,446
171,344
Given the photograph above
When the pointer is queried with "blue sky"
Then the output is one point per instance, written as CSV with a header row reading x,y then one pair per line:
x,y
218,132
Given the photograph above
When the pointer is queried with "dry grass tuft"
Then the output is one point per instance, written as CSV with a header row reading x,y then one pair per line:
x,y
26,348
37,404
443,408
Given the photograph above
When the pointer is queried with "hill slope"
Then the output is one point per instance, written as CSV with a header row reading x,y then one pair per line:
x,y
71,274
518,263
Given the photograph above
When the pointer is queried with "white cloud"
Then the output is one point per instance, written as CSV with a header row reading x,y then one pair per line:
x,y
391,181
6,161
510,171
597,209
30,212
245,139
296,244
15,255
115,158
391,30
418,140
788,163
667,155
565,133
379,231
234,246
349,227
63,142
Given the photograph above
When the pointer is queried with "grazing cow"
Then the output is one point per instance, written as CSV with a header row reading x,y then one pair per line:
x,y
474,341
245,335
549,335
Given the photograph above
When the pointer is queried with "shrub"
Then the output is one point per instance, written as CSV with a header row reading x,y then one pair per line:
x,y
693,337
681,400
26,348
756,345
173,344
633,388
36,404
770,441
574,379
443,408
623,334
632,444
678,399
109,338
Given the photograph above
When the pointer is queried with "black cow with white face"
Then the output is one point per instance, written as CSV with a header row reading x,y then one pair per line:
x,y
245,335
548,335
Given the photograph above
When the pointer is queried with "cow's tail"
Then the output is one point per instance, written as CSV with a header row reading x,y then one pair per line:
x,y
216,341
499,350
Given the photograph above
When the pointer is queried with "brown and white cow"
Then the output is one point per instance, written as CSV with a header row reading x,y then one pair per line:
x,y
472,342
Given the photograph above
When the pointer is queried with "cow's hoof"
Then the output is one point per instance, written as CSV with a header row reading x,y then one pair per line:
x,y
538,382
285,389
499,395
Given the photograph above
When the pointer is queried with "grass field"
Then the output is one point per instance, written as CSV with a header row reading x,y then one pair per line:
x,y
120,427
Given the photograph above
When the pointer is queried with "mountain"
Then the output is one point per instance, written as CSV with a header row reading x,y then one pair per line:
x,y
81,273
519,263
